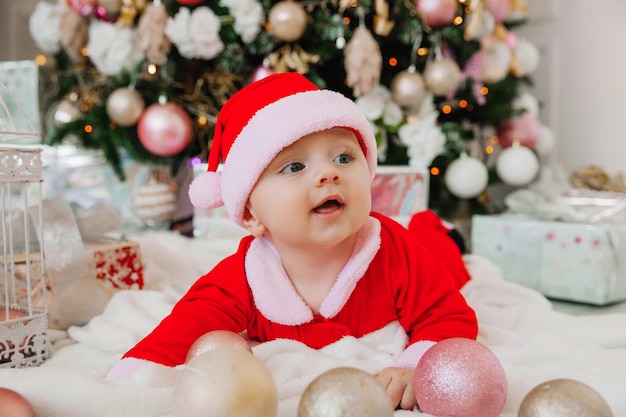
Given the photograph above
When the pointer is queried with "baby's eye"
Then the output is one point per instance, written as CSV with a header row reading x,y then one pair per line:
x,y
344,158
293,167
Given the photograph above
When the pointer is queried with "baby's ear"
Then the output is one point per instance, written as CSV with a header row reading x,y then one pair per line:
x,y
252,223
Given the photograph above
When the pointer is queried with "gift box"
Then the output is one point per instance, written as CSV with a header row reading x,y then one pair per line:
x,y
581,262
400,191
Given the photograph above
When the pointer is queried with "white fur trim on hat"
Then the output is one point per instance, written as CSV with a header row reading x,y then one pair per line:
x,y
277,126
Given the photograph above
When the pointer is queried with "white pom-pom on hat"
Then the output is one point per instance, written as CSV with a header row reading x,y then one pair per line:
x,y
205,191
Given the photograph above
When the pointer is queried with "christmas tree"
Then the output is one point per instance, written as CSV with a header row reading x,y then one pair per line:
x,y
442,81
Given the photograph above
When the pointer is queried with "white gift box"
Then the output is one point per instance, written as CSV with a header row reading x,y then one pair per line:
x,y
580,262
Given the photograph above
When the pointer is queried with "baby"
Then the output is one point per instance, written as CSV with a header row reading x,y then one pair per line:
x,y
318,265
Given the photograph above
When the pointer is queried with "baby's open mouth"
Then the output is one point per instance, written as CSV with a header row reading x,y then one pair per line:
x,y
328,206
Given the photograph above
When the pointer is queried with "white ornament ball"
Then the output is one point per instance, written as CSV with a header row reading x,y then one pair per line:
x,y
517,166
442,76
225,382
408,89
155,202
528,56
466,177
124,106
287,20
527,102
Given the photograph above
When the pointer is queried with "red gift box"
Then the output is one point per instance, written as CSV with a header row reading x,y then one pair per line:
x,y
118,263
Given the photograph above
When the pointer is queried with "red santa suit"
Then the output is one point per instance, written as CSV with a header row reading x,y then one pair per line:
x,y
389,276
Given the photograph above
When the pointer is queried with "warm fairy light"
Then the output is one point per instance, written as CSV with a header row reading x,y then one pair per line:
x,y
484,91
393,62
422,51
457,21
494,139
152,69
202,121
173,186
434,171
84,51
462,1
88,128
446,109
462,104
41,60
354,3
346,20
489,149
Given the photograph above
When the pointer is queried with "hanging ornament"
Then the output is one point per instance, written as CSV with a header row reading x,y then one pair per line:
x,y
217,339
437,13
499,9
292,57
14,404
517,166
408,88
151,37
545,143
523,130
287,20
527,56
124,106
460,377
82,7
262,71
164,129
363,62
74,31
347,392
382,24
225,383
480,22
442,76
496,61
155,202
466,177
63,112
129,10
563,398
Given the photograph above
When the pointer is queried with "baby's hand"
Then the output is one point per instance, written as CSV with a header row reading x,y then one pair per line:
x,y
399,385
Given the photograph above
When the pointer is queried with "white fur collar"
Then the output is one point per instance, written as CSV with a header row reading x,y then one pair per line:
x,y
274,293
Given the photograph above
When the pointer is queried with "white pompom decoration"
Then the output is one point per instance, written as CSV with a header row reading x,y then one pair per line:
x,y
466,177
517,166
205,191
545,143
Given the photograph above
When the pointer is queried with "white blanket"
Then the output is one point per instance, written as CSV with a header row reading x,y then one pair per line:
x,y
533,342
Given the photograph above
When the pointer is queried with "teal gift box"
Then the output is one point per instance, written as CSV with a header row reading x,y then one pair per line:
x,y
581,262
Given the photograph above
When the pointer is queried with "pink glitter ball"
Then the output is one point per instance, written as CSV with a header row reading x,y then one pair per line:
x,y
460,377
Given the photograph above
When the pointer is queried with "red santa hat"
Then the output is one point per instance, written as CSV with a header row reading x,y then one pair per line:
x,y
260,120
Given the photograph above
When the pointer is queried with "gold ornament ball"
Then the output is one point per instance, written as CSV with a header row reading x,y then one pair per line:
x,y
408,89
563,398
346,392
225,382
217,339
63,112
287,20
442,76
124,106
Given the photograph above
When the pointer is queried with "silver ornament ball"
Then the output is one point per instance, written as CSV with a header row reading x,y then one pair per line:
x,y
408,89
288,20
125,106
442,76
562,398
346,392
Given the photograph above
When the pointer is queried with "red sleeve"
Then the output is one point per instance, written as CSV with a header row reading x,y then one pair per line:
x,y
220,300
429,304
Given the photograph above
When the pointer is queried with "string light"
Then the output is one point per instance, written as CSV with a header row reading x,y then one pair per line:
x,y
489,149
434,171
422,51
88,128
462,104
41,60
393,61
457,21
152,69
446,109
484,91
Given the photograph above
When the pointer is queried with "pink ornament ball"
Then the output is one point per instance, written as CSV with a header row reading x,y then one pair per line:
x,y
217,339
165,129
460,377
499,9
14,404
524,130
437,13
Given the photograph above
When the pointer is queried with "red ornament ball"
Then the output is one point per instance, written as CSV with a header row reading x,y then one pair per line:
x,y
190,3
460,377
14,404
437,13
524,130
217,339
165,129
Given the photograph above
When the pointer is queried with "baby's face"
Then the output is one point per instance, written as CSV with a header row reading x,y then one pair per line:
x,y
317,191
